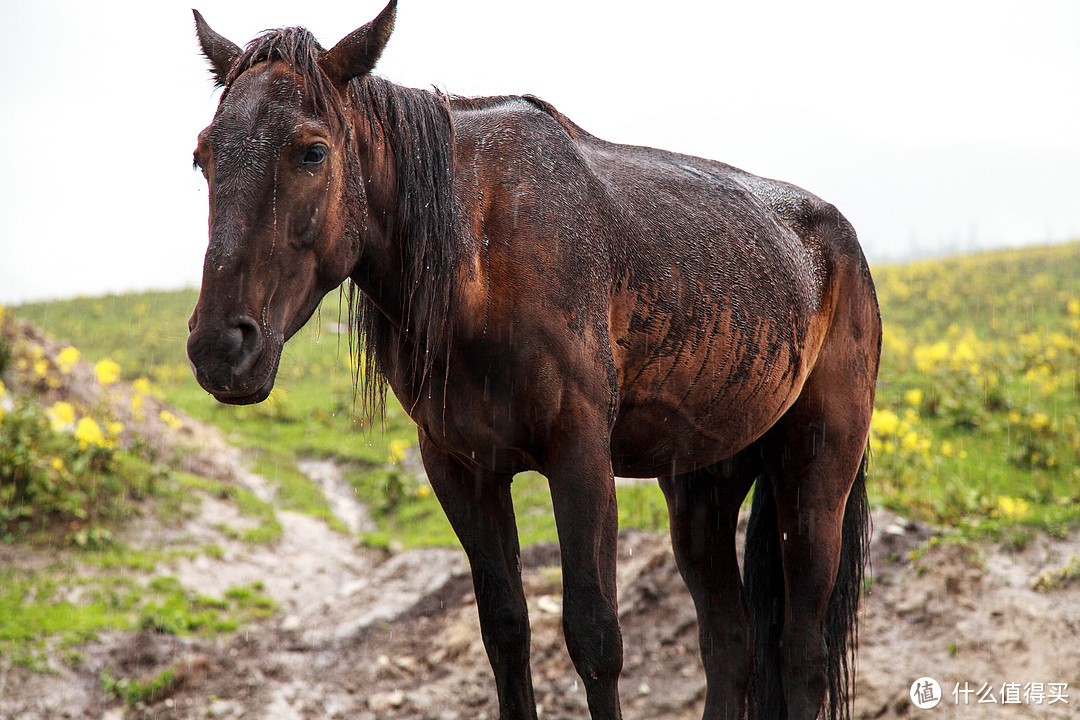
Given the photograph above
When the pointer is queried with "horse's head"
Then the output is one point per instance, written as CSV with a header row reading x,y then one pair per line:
x,y
275,159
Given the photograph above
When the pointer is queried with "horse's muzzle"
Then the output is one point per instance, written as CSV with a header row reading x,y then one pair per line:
x,y
232,360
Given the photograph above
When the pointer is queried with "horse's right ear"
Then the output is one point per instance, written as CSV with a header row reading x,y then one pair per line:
x,y
221,52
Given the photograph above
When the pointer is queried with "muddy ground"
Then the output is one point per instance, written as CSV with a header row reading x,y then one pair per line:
x,y
364,634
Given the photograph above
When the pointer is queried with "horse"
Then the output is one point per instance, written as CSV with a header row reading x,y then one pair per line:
x,y
540,299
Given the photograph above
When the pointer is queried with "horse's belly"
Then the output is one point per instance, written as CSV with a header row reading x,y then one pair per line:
x,y
674,433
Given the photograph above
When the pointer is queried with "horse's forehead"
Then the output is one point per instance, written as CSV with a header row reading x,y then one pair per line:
x,y
263,103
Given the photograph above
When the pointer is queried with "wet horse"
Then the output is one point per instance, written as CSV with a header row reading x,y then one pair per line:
x,y
540,299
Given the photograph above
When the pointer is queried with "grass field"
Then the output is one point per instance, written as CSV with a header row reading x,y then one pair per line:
x,y
976,424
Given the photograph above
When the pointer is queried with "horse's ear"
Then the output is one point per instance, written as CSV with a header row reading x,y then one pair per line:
x,y
357,53
221,52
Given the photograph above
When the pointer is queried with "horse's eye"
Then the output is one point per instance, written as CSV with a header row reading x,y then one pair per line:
x,y
316,154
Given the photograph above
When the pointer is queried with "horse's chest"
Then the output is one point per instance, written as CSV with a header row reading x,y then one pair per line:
x,y
478,420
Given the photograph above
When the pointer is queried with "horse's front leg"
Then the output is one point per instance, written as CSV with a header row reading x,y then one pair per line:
x,y
586,515
480,509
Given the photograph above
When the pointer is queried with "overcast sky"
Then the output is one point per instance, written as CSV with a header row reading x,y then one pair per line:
x,y
935,126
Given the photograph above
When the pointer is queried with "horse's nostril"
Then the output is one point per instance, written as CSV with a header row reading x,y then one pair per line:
x,y
245,343
249,329
233,341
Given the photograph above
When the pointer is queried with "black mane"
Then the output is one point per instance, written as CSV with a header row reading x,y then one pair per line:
x,y
416,124
299,49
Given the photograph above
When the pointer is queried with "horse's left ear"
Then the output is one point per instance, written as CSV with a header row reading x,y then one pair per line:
x,y
357,54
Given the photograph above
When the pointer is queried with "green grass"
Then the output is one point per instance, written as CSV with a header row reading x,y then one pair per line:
x,y
132,692
87,591
55,605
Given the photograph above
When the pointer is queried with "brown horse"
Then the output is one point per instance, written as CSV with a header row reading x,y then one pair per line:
x,y
540,299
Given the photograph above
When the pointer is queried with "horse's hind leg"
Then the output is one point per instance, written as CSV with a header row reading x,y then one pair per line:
x,y
814,464
704,510
812,473
481,512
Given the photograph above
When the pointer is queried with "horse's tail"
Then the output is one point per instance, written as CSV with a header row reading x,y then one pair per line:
x,y
842,618
765,589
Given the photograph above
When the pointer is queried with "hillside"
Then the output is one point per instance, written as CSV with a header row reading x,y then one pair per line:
x,y
188,559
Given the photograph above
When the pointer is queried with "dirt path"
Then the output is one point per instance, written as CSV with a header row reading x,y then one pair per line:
x,y
365,635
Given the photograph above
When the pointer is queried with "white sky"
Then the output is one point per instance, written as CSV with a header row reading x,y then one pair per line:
x,y
936,126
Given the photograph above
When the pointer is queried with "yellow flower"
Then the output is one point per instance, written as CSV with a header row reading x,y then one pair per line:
x,y
61,415
108,371
67,359
114,428
169,419
885,422
913,397
141,386
58,465
41,367
3,391
397,450
1073,307
1039,421
88,433
928,357
1012,508
948,449
1,314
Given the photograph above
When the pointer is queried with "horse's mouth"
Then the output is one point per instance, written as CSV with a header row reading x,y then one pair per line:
x,y
231,398
244,392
